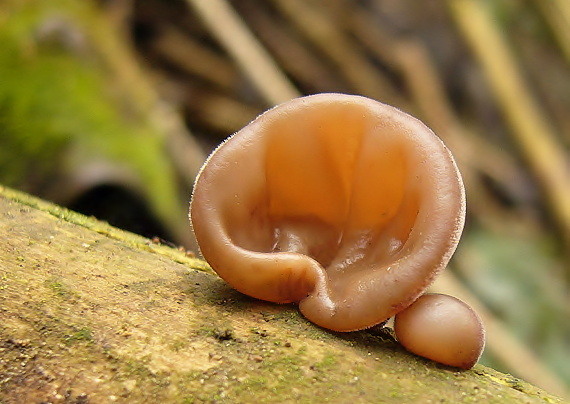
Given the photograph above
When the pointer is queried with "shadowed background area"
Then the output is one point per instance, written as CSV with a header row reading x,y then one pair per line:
x,y
110,107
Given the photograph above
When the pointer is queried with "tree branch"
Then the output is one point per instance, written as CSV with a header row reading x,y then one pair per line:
x,y
92,314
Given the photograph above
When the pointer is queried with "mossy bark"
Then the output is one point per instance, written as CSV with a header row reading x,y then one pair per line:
x,y
92,314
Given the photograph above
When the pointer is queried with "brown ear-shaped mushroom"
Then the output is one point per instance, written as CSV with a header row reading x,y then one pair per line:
x,y
441,328
341,203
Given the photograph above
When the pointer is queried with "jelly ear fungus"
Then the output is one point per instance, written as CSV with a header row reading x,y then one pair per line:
x,y
348,206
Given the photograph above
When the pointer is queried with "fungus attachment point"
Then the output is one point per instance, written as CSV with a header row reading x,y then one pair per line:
x,y
341,203
441,328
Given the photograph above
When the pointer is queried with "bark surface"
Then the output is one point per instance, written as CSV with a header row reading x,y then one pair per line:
x,y
92,314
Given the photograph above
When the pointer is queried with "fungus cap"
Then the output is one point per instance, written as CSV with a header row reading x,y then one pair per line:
x,y
346,205
441,328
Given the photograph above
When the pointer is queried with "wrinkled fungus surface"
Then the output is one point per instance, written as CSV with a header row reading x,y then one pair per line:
x,y
341,203
441,328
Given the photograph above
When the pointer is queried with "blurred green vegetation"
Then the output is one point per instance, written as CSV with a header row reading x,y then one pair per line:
x,y
65,124
516,277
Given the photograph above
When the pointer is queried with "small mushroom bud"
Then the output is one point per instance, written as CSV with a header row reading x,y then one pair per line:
x,y
341,203
441,328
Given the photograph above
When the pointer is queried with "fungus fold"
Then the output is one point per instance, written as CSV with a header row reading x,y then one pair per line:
x,y
348,206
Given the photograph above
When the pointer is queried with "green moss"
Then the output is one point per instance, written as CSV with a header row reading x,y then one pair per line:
x,y
127,239
59,288
327,362
255,382
61,106
81,335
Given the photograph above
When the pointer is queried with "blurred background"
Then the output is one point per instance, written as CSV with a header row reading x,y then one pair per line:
x,y
109,107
